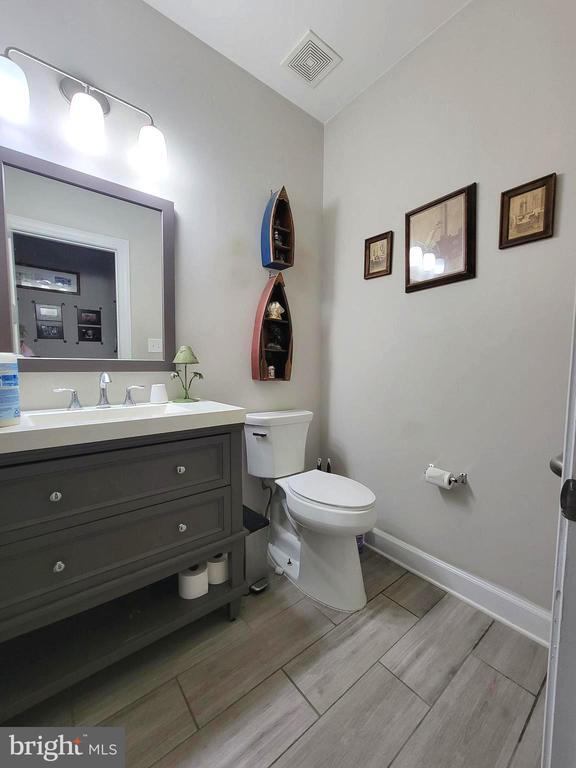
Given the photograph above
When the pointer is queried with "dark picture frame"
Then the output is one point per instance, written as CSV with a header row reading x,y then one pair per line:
x,y
369,270
89,316
448,245
51,313
90,333
524,215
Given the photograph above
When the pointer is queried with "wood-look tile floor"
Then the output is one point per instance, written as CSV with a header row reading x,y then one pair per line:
x,y
418,679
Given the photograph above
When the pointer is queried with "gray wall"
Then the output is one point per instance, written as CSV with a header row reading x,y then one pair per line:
x,y
230,140
470,376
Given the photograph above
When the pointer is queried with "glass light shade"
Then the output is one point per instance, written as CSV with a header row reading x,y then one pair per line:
x,y
14,92
416,256
151,156
429,262
185,355
440,266
86,126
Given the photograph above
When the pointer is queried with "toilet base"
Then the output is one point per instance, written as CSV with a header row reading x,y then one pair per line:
x,y
326,568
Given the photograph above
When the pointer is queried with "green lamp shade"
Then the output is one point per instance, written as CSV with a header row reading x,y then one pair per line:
x,y
185,356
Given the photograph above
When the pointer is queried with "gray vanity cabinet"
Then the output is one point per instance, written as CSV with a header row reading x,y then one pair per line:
x,y
86,530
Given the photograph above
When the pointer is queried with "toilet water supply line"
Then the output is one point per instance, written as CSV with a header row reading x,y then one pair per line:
x,y
270,489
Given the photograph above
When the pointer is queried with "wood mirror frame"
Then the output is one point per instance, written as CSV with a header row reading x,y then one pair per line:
x,y
50,170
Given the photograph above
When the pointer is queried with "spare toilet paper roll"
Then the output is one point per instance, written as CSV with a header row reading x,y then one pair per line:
x,y
218,569
439,477
193,582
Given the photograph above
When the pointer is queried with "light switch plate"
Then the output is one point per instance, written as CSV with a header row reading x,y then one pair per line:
x,y
154,345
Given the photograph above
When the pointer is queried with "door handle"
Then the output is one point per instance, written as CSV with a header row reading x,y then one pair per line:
x,y
568,500
556,464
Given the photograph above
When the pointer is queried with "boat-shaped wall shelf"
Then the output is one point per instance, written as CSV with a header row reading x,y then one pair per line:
x,y
277,235
272,337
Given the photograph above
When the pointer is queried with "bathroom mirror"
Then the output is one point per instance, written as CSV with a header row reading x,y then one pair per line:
x,y
86,270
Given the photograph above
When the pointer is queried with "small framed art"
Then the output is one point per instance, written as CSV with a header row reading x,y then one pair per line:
x,y
527,212
378,255
441,241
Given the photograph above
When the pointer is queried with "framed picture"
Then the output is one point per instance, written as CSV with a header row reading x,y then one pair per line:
x,y
378,255
89,316
89,333
441,241
50,312
527,212
47,279
49,330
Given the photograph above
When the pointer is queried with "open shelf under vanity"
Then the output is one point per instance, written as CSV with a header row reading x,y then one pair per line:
x,y
42,663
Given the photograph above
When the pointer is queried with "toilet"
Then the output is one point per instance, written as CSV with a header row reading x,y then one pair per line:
x,y
314,516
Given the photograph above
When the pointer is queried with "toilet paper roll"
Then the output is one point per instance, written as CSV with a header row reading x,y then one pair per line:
x,y
193,582
218,569
439,477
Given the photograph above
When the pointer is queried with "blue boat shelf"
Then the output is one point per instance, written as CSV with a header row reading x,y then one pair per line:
x,y
277,235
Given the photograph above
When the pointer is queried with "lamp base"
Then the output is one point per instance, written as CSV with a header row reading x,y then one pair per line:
x,y
186,400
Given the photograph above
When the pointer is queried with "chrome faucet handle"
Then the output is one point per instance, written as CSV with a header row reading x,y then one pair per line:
x,y
129,400
104,380
74,404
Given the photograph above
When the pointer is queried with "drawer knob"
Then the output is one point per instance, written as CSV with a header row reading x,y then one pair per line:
x,y
180,470
182,528
55,496
59,567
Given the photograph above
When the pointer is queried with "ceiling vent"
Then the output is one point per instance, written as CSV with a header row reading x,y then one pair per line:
x,y
312,59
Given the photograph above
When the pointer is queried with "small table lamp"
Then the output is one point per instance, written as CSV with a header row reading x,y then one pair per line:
x,y
185,356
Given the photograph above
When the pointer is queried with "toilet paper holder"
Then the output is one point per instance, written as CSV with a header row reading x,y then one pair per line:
x,y
460,479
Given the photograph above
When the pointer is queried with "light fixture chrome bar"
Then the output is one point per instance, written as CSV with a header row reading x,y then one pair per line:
x,y
88,86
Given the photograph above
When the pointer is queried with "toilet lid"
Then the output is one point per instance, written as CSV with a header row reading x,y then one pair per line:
x,y
332,490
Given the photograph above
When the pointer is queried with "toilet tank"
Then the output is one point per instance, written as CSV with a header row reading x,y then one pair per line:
x,y
276,442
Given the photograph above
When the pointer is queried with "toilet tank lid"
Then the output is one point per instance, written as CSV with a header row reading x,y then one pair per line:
x,y
332,490
276,418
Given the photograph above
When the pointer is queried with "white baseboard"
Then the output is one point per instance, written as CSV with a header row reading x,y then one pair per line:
x,y
507,607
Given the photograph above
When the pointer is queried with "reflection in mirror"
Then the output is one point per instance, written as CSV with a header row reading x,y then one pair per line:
x,y
87,272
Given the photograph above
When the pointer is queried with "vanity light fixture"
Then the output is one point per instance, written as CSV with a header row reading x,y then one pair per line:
x,y
14,92
88,107
86,125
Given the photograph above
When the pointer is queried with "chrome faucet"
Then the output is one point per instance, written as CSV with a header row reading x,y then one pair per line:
x,y
74,404
128,399
105,379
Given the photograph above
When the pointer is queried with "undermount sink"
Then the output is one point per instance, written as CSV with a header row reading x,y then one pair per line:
x,y
54,428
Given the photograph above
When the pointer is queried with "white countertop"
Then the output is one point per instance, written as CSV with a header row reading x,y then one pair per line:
x,y
57,428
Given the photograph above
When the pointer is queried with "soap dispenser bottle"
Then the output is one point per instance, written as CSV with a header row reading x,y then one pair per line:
x,y
9,390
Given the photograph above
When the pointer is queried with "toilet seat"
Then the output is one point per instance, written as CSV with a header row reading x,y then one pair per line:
x,y
331,490
331,503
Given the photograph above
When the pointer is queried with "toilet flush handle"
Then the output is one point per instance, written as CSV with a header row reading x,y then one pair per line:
x,y
259,434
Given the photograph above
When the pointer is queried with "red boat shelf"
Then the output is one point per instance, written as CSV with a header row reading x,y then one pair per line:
x,y
272,338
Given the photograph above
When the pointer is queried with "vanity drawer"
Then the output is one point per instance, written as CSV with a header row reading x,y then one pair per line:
x,y
49,493
124,543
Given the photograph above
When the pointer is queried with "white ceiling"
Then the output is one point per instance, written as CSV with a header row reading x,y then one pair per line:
x,y
370,35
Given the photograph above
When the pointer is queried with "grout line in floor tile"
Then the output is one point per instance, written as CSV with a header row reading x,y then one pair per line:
x,y
278,669
409,738
470,652
404,683
179,684
403,606
301,692
200,727
525,726
511,679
